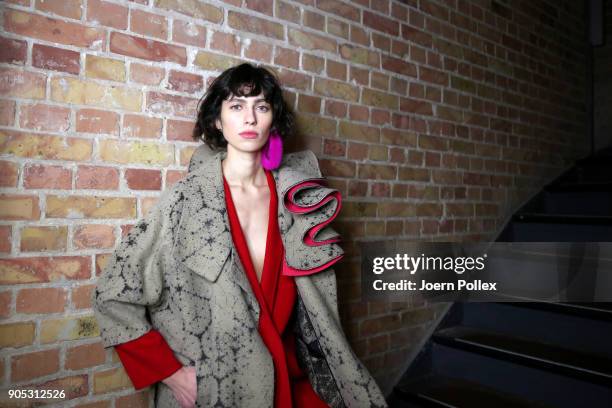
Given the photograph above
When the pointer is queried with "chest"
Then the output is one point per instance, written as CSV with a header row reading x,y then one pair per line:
x,y
252,209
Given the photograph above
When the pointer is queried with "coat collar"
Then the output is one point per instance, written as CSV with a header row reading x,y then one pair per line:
x,y
203,240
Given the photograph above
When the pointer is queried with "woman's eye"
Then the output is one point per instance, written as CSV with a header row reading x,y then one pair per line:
x,y
264,108
235,106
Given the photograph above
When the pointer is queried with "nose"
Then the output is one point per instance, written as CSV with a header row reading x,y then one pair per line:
x,y
249,116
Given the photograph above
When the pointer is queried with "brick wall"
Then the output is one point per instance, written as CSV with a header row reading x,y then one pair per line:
x,y
603,83
433,118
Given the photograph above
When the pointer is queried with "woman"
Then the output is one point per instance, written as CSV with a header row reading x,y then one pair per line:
x,y
224,294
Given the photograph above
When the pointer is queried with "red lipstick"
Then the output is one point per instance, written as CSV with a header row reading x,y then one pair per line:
x,y
248,134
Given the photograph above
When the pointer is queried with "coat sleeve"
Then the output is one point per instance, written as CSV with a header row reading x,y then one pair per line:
x,y
133,278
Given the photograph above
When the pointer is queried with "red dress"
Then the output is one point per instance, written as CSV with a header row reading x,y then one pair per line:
x,y
149,359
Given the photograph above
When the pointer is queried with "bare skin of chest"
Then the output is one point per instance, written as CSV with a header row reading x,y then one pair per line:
x,y
252,208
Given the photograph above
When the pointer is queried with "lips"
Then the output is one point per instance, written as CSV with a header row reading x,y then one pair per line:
x,y
248,135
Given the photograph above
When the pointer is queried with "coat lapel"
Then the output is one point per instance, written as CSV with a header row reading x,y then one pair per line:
x,y
204,241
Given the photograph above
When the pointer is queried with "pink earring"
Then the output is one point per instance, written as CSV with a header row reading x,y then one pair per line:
x,y
272,152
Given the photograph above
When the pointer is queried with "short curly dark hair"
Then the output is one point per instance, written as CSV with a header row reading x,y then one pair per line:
x,y
241,80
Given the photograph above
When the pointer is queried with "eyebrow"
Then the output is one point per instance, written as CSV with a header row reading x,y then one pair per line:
x,y
234,99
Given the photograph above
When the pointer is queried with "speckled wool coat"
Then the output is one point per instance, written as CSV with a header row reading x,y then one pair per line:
x,y
178,271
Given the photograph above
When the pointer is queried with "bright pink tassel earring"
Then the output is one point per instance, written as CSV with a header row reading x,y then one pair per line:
x,y
272,152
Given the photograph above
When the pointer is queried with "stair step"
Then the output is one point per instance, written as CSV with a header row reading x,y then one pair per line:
x,y
442,391
570,203
593,367
579,186
557,230
516,378
599,311
566,218
558,327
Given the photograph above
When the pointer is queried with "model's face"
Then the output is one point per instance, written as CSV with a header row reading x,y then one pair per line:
x,y
245,122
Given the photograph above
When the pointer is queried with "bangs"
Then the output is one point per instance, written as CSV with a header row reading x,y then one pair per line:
x,y
246,81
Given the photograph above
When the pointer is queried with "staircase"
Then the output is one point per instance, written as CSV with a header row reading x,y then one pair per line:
x,y
528,354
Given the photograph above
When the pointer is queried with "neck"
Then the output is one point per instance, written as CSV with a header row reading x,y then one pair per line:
x,y
243,168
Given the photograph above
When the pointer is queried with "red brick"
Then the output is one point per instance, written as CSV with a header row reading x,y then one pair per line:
x,y
313,64
433,75
56,59
107,14
381,190
97,177
73,387
97,121
185,82
140,179
97,404
226,42
22,84
94,236
357,151
142,48
36,364
340,9
66,8
261,6
416,106
381,42
251,24
289,12
359,113
258,50
380,117
381,23
5,238
8,174
197,9
81,296
84,356
335,108
41,300
314,20
359,35
176,105
44,117
138,400
309,104
44,269
19,207
287,57
5,305
149,24
400,66
7,112
145,74
179,130
189,33
41,176
53,30
141,126
336,70
13,51
172,176
334,148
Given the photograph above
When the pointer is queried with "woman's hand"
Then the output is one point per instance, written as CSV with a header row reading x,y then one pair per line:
x,y
183,385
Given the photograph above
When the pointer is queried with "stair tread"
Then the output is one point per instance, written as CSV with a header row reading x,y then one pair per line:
x,y
457,392
562,218
597,310
545,353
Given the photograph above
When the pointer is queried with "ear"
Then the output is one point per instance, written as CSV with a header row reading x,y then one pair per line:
x,y
218,124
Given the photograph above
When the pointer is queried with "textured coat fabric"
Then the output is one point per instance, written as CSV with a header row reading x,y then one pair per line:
x,y
177,271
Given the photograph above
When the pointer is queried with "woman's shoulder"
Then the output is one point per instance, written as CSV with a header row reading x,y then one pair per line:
x,y
304,161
